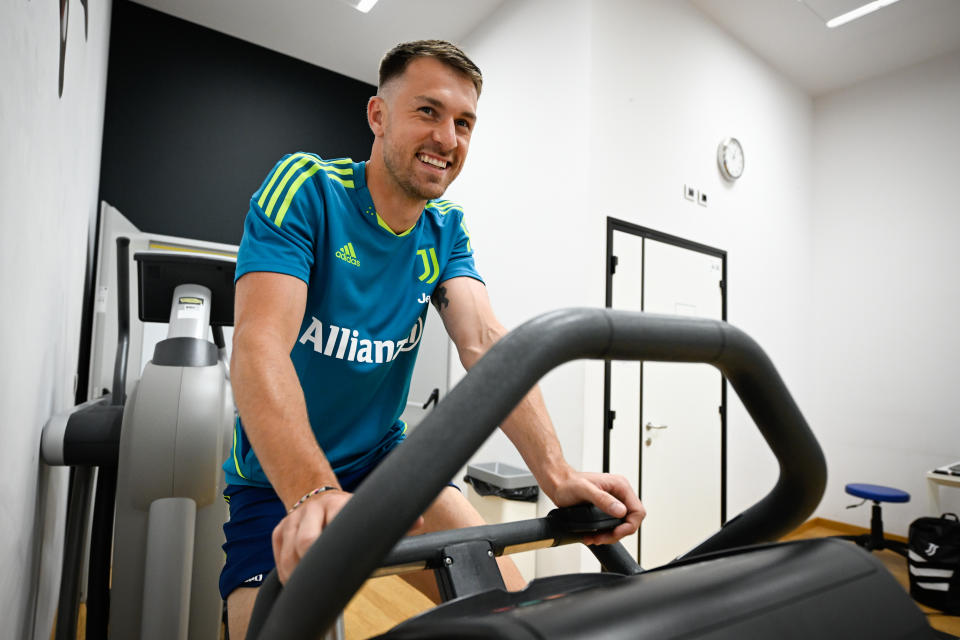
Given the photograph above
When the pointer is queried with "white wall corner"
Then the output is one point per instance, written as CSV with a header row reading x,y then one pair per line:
x,y
50,173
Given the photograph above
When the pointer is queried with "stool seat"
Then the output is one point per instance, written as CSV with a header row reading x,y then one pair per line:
x,y
877,492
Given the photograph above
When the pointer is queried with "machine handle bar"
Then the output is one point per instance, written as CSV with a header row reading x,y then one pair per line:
x,y
404,485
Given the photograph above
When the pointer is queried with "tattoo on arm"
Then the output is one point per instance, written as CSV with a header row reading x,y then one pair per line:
x,y
439,298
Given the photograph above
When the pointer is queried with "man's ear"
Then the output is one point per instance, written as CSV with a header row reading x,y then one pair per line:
x,y
376,114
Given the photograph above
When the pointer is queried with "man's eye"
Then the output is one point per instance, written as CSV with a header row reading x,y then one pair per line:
x,y
427,110
463,123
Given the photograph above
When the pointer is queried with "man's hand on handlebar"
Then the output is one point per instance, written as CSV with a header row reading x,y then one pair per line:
x,y
608,492
301,527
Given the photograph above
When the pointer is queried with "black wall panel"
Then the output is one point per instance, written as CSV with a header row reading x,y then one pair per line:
x,y
195,119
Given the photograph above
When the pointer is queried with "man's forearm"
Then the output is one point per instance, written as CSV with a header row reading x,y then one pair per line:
x,y
529,428
270,402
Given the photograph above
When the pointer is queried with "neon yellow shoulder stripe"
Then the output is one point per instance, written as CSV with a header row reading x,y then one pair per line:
x,y
277,174
347,183
446,205
330,168
298,161
293,190
283,183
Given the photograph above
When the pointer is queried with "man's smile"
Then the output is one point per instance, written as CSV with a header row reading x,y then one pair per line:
x,y
433,161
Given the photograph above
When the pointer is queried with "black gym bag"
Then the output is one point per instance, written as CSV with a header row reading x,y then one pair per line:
x,y
934,561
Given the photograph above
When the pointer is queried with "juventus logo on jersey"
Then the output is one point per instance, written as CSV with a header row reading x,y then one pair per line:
x,y
431,269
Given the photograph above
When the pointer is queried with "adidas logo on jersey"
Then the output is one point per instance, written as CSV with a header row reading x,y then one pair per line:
x,y
347,254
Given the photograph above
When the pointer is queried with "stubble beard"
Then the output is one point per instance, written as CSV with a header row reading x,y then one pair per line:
x,y
393,161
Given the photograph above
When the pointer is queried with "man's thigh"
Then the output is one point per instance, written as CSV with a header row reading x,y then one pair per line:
x,y
452,510
239,608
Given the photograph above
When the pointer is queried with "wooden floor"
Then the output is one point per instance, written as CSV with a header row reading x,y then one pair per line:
x,y
894,562
385,602
380,605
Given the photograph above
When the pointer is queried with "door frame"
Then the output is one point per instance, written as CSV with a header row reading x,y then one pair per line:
x,y
614,224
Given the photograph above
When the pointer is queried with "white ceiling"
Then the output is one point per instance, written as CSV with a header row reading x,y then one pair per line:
x,y
792,37
330,33
789,34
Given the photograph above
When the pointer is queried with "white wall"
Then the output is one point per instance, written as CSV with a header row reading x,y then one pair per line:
x,y
840,234
886,301
49,175
606,108
526,184
668,86
523,188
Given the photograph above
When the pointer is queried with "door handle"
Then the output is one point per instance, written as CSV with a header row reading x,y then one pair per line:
x,y
433,399
650,426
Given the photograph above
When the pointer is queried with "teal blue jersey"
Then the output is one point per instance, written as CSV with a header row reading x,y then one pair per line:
x,y
368,290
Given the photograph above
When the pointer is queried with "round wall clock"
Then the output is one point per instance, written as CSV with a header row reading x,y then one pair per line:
x,y
730,158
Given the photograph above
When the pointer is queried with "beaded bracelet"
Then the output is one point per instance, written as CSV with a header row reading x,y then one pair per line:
x,y
307,496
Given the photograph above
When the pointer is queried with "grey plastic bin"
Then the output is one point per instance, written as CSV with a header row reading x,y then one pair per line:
x,y
503,493
502,480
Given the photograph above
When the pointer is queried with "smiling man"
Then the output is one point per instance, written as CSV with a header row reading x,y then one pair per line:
x,y
336,267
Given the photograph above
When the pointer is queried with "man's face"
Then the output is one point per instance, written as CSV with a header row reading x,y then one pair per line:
x,y
429,115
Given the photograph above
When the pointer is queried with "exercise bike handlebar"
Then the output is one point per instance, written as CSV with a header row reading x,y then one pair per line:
x,y
564,525
405,484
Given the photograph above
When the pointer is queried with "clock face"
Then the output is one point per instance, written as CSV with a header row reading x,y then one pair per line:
x,y
730,158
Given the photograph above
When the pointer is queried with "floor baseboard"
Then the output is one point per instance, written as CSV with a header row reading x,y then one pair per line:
x,y
842,527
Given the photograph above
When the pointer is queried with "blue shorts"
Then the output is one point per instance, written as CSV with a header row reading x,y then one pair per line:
x,y
254,513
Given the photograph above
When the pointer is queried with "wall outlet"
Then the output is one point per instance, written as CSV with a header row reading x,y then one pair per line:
x,y
689,193
702,198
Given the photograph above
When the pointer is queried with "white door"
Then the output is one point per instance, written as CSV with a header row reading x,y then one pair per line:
x,y
675,447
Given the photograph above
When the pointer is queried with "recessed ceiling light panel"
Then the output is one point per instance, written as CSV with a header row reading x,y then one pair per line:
x,y
859,12
363,6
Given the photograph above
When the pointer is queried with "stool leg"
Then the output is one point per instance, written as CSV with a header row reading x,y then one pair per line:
x,y
876,528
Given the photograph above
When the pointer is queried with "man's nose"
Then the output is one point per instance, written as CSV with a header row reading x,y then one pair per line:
x,y
445,134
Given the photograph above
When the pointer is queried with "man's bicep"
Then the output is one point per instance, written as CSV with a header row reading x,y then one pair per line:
x,y
269,305
468,316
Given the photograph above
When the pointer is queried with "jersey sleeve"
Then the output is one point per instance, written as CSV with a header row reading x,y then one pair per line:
x,y
461,261
279,232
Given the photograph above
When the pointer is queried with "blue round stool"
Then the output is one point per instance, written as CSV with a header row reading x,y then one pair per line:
x,y
874,541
